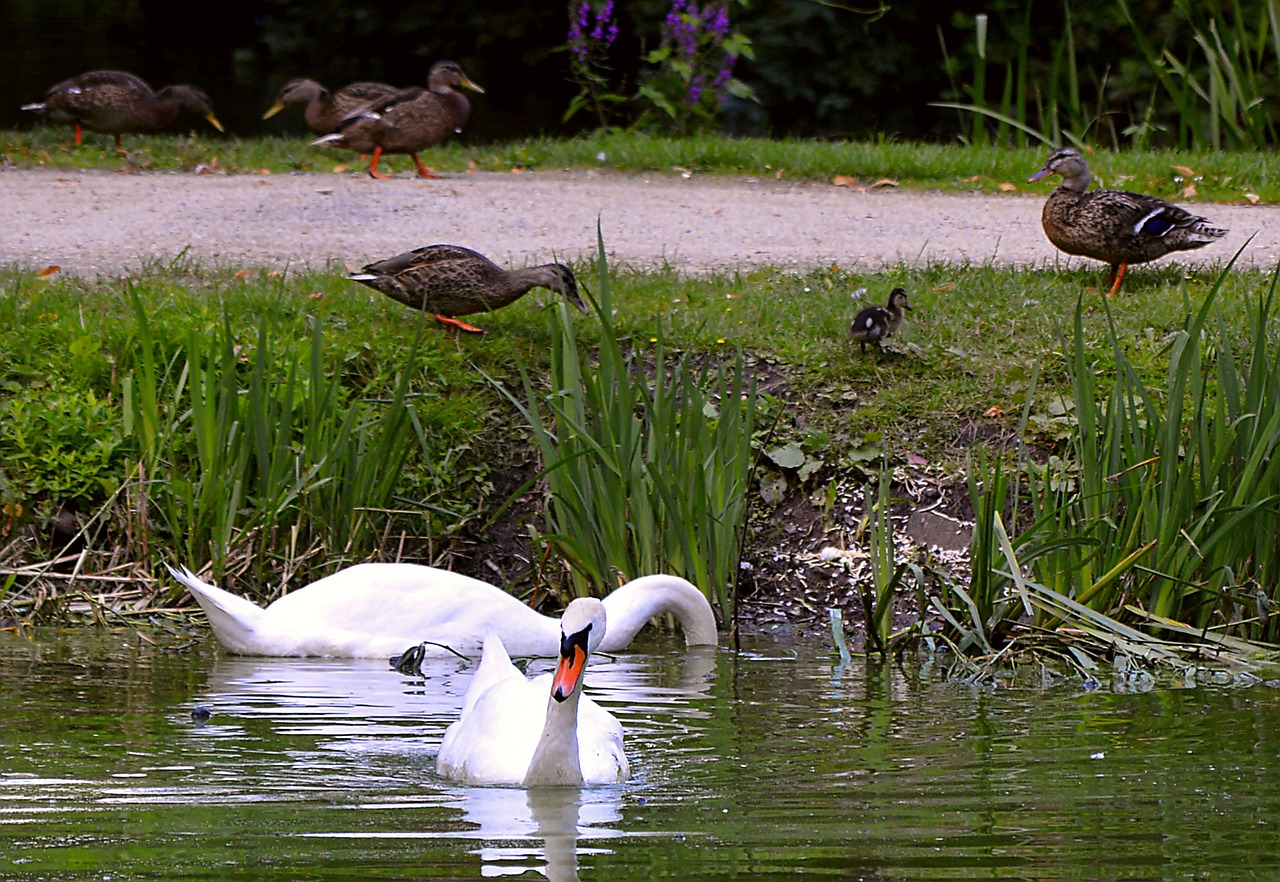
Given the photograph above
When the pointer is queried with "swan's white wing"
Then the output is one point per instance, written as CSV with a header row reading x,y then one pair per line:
x,y
600,745
379,610
494,739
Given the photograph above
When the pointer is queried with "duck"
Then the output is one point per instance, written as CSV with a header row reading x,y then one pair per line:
x,y
375,610
874,323
323,109
450,280
538,732
407,121
114,102
1114,226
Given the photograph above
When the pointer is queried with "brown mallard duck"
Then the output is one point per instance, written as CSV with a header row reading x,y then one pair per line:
x,y
409,120
449,280
1114,226
324,109
874,323
114,102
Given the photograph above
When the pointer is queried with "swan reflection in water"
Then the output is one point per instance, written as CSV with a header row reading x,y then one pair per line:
x,y
540,828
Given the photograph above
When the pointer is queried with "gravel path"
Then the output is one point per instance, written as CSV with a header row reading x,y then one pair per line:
x,y
106,224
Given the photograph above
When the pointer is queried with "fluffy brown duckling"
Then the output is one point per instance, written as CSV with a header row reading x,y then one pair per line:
x,y
408,121
874,323
322,109
449,280
1114,226
114,102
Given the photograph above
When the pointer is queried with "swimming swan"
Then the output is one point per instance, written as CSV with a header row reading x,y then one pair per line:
x,y
510,732
376,610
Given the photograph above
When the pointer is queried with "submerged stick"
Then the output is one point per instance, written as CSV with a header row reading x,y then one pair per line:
x,y
837,635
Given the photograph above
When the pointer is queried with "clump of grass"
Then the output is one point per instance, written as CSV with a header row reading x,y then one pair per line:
x,y
1219,88
1159,539
647,458
285,461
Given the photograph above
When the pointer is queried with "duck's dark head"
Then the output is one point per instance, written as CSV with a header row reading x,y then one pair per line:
x,y
566,283
445,75
1067,162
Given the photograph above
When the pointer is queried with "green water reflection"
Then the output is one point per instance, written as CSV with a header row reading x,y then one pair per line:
x,y
763,764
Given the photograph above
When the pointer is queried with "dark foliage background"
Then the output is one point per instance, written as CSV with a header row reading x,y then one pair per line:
x,y
820,70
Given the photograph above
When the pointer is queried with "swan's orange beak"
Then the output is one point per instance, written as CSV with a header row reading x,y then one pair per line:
x,y
573,661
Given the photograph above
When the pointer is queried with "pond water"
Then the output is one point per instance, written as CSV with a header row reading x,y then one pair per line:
x,y
771,762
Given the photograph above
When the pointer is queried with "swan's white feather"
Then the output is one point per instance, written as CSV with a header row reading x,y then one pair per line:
x,y
503,718
377,610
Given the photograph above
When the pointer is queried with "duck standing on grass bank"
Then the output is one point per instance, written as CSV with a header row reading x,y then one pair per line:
x,y
449,280
408,120
1114,226
540,732
874,323
113,102
323,110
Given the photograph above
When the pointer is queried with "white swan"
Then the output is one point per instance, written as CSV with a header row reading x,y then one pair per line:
x,y
511,732
377,610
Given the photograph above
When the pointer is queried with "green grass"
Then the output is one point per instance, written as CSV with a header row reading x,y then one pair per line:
x,y
974,340
1222,177
953,383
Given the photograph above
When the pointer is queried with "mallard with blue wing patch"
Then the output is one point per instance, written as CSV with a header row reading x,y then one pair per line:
x,y
1114,226
875,323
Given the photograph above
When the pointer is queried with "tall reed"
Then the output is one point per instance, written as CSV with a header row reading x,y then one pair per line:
x,y
1218,88
261,456
647,457
1170,519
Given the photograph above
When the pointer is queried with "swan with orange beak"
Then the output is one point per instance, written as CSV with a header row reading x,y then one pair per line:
x,y
541,731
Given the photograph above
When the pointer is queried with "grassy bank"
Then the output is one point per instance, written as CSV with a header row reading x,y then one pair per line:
x,y
279,426
79,357
1213,175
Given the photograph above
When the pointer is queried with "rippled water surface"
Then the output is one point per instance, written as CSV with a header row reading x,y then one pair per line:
x,y
767,763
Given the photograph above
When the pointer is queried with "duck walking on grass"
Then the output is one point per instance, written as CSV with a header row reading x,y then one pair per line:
x,y
1114,226
114,102
874,323
408,120
449,281
322,109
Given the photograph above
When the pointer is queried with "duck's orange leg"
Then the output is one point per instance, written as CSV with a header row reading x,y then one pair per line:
x,y
450,322
77,134
422,169
373,166
1117,276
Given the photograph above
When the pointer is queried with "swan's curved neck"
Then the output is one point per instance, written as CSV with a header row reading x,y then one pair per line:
x,y
555,759
631,606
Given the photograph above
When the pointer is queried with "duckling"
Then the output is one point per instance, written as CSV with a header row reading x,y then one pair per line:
x,y
409,120
875,323
449,280
114,102
324,109
1114,226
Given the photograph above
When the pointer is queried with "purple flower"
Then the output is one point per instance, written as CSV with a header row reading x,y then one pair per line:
x,y
726,71
719,23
